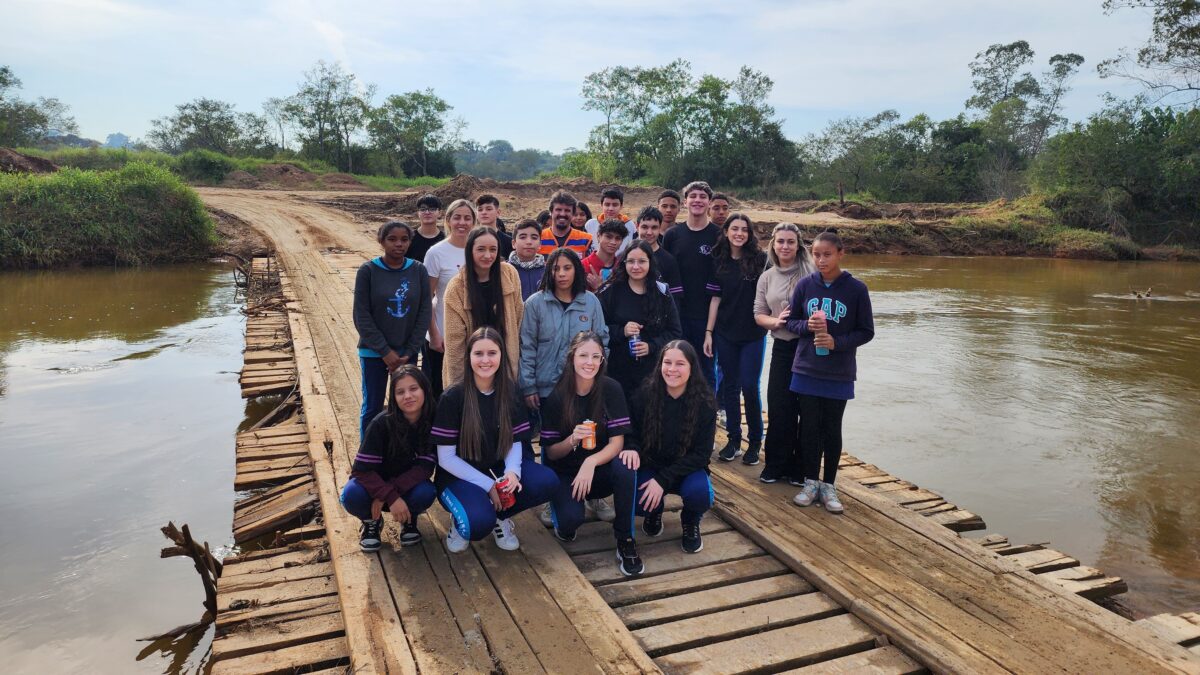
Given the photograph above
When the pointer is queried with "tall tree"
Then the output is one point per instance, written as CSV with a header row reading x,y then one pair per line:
x,y
996,75
1169,63
329,108
26,122
208,124
412,128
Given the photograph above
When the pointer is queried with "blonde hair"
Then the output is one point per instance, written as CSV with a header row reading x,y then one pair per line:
x,y
458,204
803,257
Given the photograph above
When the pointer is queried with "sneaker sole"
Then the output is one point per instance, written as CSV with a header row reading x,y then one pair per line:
x,y
505,548
370,549
723,458
767,480
701,548
754,463
803,505
653,534
410,542
834,511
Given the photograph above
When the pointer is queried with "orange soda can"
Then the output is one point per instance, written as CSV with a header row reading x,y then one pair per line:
x,y
507,499
589,441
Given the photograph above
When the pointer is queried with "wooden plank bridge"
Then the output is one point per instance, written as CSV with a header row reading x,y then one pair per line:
x,y
888,587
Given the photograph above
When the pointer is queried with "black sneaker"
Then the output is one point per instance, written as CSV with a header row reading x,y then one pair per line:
x,y
559,536
652,524
369,539
770,474
751,456
691,542
627,558
730,452
409,534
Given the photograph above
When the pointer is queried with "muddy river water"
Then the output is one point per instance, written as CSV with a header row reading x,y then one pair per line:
x,y
1039,394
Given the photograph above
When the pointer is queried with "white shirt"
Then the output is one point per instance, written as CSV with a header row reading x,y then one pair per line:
x,y
443,261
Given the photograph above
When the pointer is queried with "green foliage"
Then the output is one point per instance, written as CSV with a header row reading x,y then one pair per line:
x,y
204,166
211,125
396,184
1168,65
413,131
102,159
138,214
499,160
28,122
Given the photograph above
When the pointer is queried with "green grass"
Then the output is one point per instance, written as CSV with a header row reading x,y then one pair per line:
x,y
137,214
393,184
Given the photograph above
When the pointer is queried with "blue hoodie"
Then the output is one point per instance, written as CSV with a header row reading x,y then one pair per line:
x,y
847,308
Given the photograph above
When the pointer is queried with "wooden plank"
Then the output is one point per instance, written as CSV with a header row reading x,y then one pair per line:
x,y
295,609
788,647
244,582
266,356
272,452
959,520
298,534
732,624
263,499
276,464
615,650
234,567
291,659
1087,582
474,600
880,661
699,603
277,635
264,389
1182,629
272,432
642,589
248,480
668,556
261,597
598,535
1043,560
289,511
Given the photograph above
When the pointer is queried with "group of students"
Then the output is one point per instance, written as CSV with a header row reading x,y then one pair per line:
x,y
611,338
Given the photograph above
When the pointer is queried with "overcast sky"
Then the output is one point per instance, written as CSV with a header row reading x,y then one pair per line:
x,y
513,70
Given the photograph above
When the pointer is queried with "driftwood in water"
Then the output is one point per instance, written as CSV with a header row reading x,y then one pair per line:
x,y
206,565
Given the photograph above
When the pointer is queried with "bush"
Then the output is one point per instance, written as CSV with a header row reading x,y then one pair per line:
x,y
137,214
204,166
102,159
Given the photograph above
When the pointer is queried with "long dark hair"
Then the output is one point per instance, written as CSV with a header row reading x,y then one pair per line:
x,y
406,439
470,437
753,259
656,301
697,400
566,390
490,302
580,283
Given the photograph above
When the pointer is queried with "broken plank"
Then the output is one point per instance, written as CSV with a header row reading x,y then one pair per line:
x,y
1043,560
295,609
277,635
1182,629
285,592
1087,582
288,660
879,661
668,556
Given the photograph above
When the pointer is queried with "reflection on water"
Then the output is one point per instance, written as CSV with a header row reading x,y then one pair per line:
x,y
1042,395
117,412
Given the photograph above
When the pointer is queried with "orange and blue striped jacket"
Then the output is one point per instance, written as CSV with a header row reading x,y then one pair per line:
x,y
577,240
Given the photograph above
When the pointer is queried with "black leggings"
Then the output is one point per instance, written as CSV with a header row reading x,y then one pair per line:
x,y
820,435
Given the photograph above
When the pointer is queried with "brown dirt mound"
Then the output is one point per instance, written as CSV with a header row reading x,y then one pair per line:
x,y
241,179
850,210
15,162
287,175
341,181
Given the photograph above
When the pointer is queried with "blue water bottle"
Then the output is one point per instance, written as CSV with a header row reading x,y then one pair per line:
x,y
633,342
821,351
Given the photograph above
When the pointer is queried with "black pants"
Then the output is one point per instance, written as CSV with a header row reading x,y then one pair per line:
x,y
431,365
783,433
820,435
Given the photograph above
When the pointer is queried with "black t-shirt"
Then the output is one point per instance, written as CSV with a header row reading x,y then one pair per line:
x,y
421,244
614,422
735,314
447,423
693,252
668,272
489,318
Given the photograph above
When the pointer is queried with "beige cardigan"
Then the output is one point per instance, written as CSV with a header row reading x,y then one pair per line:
x,y
459,327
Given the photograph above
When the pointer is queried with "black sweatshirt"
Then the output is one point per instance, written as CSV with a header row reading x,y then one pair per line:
x,y
391,308
614,422
672,462
693,252
621,305
735,314
387,471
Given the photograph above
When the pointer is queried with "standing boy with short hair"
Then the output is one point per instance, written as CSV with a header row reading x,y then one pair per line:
x,y
649,228
429,232
611,201
692,245
668,205
531,265
488,207
598,266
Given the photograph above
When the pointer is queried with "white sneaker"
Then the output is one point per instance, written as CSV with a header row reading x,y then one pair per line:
x,y
506,538
808,494
603,510
455,542
546,516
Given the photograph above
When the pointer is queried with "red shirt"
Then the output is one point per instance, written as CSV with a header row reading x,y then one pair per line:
x,y
594,265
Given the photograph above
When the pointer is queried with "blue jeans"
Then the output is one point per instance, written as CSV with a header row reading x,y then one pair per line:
x,y
742,364
693,332
695,489
374,390
471,508
613,479
357,501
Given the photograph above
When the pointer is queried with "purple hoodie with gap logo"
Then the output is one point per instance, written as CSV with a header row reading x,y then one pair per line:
x,y
848,315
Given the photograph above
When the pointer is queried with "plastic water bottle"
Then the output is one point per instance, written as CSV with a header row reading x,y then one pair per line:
x,y
821,351
633,342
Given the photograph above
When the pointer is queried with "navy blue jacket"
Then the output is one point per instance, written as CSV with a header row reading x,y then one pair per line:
x,y
847,308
